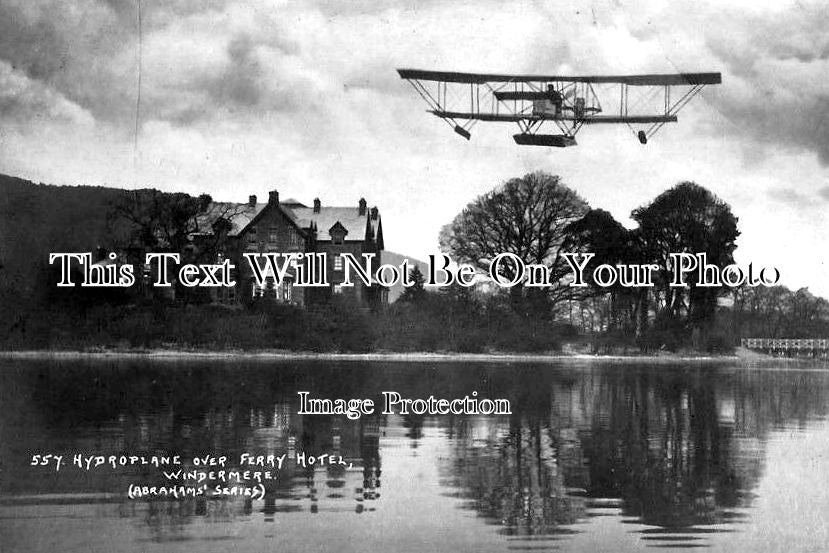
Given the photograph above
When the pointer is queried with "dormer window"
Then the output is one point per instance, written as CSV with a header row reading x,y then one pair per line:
x,y
337,233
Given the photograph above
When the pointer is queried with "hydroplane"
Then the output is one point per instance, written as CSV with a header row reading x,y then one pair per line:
x,y
567,103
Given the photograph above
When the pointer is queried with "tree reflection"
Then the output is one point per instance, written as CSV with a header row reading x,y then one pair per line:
x,y
676,448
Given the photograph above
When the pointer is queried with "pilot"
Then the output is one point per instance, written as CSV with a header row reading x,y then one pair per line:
x,y
555,98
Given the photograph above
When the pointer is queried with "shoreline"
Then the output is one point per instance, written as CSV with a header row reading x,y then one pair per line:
x,y
741,359
164,354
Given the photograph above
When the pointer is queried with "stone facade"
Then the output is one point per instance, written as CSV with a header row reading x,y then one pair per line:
x,y
234,229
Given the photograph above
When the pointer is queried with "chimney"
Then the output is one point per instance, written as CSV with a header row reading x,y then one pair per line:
x,y
273,197
362,210
374,213
252,200
317,205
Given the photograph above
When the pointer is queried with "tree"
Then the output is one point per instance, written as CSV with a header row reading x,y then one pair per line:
x,y
415,292
161,220
777,312
529,217
168,222
599,233
687,219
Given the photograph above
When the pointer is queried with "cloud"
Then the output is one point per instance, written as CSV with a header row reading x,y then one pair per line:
x,y
23,99
773,61
803,200
238,97
82,50
300,65
779,99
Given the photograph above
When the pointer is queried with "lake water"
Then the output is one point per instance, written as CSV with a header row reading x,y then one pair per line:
x,y
594,457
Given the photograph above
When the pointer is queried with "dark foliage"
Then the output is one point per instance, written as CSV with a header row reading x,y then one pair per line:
x,y
687,219
159,221
415,292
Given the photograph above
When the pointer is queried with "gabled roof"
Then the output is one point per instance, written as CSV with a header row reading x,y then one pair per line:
x,y
338,228
349,217
240,215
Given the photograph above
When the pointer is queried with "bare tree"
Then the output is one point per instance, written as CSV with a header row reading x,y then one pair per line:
x,y
529,217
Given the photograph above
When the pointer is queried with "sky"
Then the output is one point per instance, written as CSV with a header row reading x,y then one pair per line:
x,y
234,98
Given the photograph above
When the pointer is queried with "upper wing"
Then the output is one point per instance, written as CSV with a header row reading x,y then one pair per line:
x,y
669,79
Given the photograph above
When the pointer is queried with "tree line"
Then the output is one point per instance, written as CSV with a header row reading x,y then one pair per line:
x,y
535,217
539,219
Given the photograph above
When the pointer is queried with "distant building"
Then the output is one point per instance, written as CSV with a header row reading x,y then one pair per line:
x,y
232,229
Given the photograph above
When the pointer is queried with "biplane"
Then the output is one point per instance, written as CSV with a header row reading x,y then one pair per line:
x,y
538,102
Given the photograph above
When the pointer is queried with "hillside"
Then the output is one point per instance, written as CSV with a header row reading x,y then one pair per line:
x,y
396,259
36,219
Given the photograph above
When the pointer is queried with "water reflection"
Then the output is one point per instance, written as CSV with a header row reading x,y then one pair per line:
x,y
613,455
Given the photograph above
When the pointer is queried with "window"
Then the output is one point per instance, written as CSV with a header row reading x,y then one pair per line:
x,y
338,288
255,289
286,291
273,234
251,238
338,263
270,288
294,239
